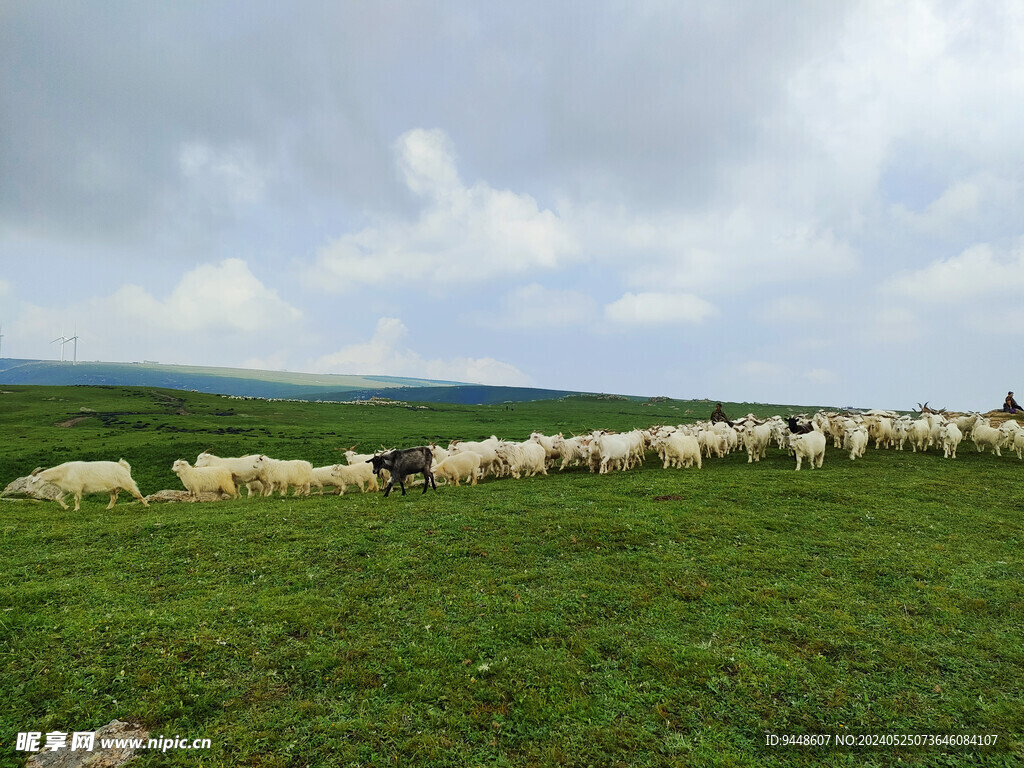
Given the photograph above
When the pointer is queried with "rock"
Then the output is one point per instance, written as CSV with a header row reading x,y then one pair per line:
x,y
19,487
98,757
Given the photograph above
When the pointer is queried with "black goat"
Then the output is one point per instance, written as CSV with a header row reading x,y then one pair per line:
x,y
408,461
798,429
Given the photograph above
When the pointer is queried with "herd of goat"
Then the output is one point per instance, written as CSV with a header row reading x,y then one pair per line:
x,y
602,451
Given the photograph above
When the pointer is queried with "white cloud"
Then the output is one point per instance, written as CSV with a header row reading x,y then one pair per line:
x,y
211,297
386,354
716,250
658,309
535,306
427,161
215,314
961,204
463,234
977,272
231,175
930,72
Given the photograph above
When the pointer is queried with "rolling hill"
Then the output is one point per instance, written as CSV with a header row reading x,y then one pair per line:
x,y
243,382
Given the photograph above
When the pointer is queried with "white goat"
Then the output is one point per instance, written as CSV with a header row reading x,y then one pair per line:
x,y
322,476
609,451
279,474
528,458
1009,428
713,442
987,436
919,434
243,469
485,449
949,438
571,450
966,424
355,459
356,474
205,479
439,453
880,428
679,450
78,477
810,446
548,443
755,439
461,465
900,432
1018,443
855,440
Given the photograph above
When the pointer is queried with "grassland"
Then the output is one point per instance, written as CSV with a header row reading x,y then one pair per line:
x,y
571,619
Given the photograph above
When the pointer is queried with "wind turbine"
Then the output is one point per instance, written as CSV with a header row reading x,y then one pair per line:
x,y
63,340
75,340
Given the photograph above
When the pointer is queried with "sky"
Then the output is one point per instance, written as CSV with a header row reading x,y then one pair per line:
x,y
798,202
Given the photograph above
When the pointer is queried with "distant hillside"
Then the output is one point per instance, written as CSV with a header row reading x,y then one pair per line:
x,y
244,382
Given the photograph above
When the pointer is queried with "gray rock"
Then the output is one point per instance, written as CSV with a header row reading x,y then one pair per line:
x,y
98,758
19,487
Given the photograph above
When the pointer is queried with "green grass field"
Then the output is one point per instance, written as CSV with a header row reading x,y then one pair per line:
x,y
572,619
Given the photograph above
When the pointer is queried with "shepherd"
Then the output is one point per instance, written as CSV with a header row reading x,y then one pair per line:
x,y
1010,405
719,415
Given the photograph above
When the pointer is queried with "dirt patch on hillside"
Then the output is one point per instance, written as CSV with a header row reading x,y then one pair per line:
x,y
72,422
996,418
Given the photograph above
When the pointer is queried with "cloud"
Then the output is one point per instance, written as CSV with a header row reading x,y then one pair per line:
x,y
231,175
963,203
536,307
464,234
427,161
713,250
210,298
386,354
977,272
216,314
658,309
